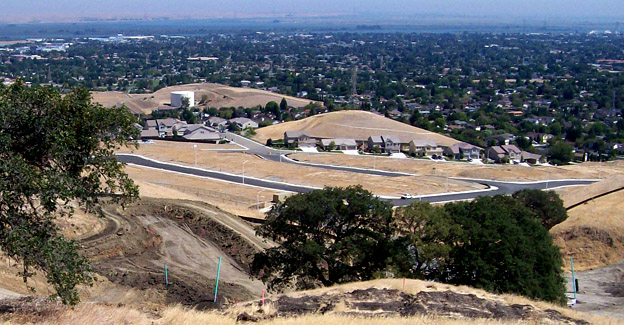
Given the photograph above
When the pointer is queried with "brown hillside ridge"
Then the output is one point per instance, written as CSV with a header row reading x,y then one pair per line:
x,y
358,125
593,234
217,96
387,301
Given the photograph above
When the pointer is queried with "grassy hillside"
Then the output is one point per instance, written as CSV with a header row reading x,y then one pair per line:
x,y
593,234
387,301
217,96
351,124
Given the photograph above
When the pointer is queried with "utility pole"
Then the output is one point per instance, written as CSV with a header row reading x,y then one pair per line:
x,y
244,162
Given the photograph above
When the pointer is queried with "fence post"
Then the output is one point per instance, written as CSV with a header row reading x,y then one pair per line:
x,y
217,283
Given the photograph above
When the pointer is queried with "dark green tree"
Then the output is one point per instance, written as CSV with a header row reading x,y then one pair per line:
x,y
272,107
560,153
283,105
426,234
546,205
56,151
328,236
503,248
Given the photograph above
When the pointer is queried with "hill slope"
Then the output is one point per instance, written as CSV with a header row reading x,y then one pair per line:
x,y
357,125
593,234
385,301
217,96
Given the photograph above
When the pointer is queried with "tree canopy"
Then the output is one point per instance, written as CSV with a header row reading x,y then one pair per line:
x,y
328,236
337,235
495,243
56,151
547,206
503,248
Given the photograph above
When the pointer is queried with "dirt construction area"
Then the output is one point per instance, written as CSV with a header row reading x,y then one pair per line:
x,y
189,237
230,162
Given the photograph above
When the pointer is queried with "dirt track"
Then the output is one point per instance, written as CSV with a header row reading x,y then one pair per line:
x,y
137,243
601,291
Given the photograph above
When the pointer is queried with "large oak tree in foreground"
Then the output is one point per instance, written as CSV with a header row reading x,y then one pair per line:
x,y
55,151
328,236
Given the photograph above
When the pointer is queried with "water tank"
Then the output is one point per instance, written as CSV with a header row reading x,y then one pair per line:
x,y
176,98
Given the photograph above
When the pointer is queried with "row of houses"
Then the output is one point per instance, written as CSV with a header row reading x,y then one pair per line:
x,y
421,147
512,153
382,144
221,123
174,128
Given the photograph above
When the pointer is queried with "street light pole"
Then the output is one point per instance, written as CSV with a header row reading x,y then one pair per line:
x,y
258,199
244,162
195,146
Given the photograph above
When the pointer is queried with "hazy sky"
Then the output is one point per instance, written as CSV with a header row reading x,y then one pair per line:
x,y
41,9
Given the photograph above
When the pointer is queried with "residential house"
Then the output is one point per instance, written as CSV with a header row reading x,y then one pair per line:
x,y
423,147
339,144
165,126
375,141
532,158
463,150
500,153
504,138
149,133
244,123
217,122
201,133
392,143
539,138
295,139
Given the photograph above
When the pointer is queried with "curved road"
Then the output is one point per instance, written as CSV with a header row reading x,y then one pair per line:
x,y
496,187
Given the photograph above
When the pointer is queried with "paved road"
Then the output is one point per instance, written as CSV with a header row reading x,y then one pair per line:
x,y
496,186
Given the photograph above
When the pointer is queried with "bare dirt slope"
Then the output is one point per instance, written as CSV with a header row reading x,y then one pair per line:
x,y
357,125
217,96
136,244
601,291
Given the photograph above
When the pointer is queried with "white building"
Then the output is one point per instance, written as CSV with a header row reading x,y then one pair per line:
x,y
176,98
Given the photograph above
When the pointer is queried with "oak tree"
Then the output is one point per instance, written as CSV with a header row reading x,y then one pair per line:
x,y
55,151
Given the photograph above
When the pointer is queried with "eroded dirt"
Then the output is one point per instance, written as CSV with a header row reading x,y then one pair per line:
x,y
136,243
600,291
390,302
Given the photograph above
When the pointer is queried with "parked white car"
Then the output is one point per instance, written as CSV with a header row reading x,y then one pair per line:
x,y
407,196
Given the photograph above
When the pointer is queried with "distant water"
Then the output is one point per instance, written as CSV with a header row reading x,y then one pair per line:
x,y
205,27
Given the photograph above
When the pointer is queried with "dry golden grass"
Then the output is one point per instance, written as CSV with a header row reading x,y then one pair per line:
x,y
576,194
461,169
98,313
183,153
85,313
350,124
233,198
593,234
217,95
